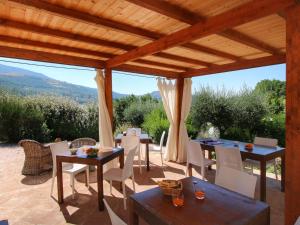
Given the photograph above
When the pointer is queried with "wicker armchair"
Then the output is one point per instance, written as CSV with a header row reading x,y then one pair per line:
x,y
38,157
77,143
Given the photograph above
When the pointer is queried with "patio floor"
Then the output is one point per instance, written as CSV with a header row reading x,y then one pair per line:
x,y
26,199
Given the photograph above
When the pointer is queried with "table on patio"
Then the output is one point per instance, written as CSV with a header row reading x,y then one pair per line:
x,y
220,206
80,158
144,139
259,153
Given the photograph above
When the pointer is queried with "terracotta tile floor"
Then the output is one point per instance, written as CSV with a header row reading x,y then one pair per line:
x,y
26,200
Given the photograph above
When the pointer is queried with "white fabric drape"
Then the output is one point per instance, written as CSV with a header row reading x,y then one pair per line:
x,y
105,129
168,94
185,109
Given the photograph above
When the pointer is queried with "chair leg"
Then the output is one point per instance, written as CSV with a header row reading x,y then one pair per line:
x,y
73,185
110,186
203,172
52,183
162,160
252,168
124,194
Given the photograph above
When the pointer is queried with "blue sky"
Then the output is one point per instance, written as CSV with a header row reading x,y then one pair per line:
x,y
129,84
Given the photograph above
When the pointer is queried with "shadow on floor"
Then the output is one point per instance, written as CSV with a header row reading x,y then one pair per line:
x,y
38,179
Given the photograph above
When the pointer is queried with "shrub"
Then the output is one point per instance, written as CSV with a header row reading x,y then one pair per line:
x,y
155,123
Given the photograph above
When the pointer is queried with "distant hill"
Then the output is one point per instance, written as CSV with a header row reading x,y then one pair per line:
x,y
26,82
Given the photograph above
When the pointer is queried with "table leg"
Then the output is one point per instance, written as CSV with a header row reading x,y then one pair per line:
x,y
190,169
263,172
86,178
133,217
60,190
121,161
100,186
283,173
147,156
210,157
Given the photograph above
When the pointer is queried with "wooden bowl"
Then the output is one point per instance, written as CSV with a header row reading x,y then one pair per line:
x,y
170,187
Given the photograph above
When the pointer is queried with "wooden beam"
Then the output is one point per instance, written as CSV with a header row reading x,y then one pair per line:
x,y
49,57
186,16
292,153
234,17
108,93
90,19
87,52
245,64
146,70
90,40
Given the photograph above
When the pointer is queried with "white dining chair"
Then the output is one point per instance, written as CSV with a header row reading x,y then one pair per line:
x,y
228,157
160,147
118,174
266,142
195,157
114,218
236,180
134,131
130,141
62,148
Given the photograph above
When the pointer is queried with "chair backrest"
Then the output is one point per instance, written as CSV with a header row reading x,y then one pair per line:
x,y
79,142
194,153
236,180
128,165
134,131
57,149
115,220
31,148
129,142
269,142
228,157
162,140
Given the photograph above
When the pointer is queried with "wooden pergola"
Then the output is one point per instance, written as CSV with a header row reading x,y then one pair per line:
x,y
176,39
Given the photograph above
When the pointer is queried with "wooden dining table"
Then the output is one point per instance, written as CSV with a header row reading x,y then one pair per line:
x,y
81,158
144,139
259,153
220,207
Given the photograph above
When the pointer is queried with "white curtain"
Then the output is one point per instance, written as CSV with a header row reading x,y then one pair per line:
x,y
168,94
185,109
105,129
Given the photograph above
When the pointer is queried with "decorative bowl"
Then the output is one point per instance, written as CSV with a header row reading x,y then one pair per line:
x,y
91,151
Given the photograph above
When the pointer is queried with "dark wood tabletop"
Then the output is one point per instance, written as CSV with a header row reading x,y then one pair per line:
x,y
144,139
220,207
81,158
262,154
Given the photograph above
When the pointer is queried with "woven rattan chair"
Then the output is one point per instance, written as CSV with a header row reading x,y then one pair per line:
x,y
77,143
38,157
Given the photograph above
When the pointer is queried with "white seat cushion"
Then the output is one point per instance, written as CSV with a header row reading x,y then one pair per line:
x,y
113,174
76,168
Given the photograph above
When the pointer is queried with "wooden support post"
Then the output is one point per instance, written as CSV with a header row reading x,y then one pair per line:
x,y
292,157
179,94
108,93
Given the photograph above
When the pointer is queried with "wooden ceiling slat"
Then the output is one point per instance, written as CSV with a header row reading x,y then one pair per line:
x,y
237,16
20,41
183,15
243,64
19,53
91,40
98,21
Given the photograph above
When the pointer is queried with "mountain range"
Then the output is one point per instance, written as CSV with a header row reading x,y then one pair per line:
x,y
25,82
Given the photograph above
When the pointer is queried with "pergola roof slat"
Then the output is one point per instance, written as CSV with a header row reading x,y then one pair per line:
x,y
237,16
